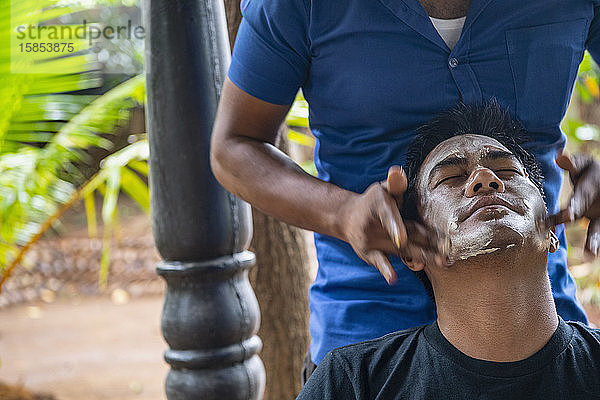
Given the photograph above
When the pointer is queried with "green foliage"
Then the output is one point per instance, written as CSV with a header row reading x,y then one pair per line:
x,y
32,173
44,135
28,190
116,174
298,118
586,86
298,114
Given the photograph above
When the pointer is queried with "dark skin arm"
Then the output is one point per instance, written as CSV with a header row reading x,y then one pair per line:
x,y
246,162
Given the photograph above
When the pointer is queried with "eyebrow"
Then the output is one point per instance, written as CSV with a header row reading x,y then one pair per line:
x,y
459,160
448,161
496,154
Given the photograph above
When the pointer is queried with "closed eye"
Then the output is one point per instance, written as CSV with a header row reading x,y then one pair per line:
x,y
508,170
448,178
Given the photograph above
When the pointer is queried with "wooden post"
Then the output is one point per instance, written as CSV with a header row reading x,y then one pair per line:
x,y
210,315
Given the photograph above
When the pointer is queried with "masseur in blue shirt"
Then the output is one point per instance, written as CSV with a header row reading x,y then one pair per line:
x,y
372,71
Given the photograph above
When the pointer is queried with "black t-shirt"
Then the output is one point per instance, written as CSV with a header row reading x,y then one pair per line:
x,y
420,363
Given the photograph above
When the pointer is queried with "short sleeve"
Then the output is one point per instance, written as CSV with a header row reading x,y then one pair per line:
x,y
271,55
592,43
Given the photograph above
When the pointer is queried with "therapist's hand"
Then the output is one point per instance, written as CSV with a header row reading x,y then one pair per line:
x,y
584,172
373,226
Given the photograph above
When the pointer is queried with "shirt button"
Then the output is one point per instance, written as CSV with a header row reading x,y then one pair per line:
x,y
453,62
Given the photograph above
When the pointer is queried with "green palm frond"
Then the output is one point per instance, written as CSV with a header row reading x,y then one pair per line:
x,y
20,89
102,114
44,131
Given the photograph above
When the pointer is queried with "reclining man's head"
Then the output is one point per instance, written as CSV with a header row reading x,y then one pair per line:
x,y
470,178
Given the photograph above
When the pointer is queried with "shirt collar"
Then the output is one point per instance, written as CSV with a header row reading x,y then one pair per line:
x,y
556,345
412,13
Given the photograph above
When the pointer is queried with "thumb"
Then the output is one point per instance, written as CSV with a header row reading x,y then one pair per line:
x,y
396,182
565,162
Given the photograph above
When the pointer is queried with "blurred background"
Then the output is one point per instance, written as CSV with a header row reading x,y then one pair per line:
x,y
80,301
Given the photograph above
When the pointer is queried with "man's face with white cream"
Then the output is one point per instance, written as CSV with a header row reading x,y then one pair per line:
x,y
476,191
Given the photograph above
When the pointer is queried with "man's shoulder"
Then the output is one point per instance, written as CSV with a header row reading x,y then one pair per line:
x,y
357,371
385,346
582,359
394,337
587,332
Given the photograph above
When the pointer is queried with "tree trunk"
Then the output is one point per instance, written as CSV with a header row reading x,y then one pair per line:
x,y
280,280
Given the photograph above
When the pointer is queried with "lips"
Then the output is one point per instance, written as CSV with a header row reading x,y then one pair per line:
x,y
484,201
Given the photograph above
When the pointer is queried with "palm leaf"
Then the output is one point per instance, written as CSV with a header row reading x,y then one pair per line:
x,y
33,172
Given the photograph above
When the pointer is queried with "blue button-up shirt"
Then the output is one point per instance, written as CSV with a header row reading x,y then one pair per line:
x,y
374,70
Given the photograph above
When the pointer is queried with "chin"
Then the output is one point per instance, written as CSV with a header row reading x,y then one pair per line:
x,y
495,235
506,236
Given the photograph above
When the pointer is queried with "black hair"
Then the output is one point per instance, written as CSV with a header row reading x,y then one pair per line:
x,y
489,120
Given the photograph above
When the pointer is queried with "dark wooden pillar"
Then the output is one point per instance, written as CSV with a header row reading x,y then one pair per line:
x,y
210,315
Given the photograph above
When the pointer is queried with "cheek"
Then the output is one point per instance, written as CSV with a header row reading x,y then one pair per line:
x,y
525,189
437,209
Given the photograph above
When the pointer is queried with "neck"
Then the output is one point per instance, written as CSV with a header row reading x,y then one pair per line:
x,y
446,9
500,311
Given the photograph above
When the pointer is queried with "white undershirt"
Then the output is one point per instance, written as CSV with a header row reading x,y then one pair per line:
x,y
449,29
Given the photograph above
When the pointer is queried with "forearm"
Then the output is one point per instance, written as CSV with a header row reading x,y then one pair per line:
x,y
265,177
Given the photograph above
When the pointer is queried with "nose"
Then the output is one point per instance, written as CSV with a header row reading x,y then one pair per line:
x,y
483,181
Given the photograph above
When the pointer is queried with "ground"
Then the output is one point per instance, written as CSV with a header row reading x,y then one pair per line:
x,y
85,348
61,334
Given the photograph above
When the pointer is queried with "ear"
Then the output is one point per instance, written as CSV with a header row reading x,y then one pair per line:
x,y
553,244
413,265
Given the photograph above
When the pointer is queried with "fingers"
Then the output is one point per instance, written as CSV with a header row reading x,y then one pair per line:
x,y
574,164
417,257
376,219
585,201
581,162
390,218
561,217
565,162
395,185
586,187
410,233
396,182
584,173
585,194
418,235
377,259
414,256
414,241
592,244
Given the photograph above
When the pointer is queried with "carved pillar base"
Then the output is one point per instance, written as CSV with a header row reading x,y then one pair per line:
x,y
210,319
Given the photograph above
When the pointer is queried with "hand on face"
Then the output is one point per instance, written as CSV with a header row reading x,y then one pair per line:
x,y
584,172
373,227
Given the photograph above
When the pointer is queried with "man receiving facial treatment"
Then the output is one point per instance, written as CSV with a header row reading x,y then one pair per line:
x,y
371,73
497,333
